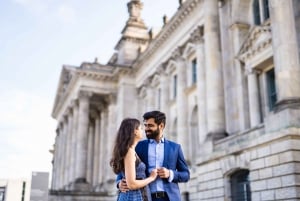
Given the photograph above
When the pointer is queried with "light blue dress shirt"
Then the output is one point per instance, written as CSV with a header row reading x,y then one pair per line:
x,y
155,160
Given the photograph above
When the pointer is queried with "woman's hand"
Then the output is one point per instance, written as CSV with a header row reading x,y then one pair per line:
x,y
123,186
153,174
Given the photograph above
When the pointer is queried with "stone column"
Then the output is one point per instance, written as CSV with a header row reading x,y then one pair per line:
x,y
64,150
96,158
164,101
102,151
214,76
150,98
82,141
197,38
126,96
68,146
59,156
74,105
254,103
238,31
55,175
182,109
286,53
91,139
111,134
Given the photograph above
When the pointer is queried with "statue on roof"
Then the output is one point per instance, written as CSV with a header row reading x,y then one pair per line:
x,y
134,9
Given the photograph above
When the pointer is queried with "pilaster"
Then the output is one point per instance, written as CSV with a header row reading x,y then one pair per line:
x,y
286,54
197,38
253,94
214,77
164,99
181,100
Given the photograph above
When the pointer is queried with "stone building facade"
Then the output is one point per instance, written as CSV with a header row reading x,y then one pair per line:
x,y
227,75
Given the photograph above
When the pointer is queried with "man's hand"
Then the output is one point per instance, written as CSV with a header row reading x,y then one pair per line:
x,y
163,172
123,186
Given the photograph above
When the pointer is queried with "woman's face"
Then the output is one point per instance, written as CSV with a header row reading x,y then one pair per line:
x,y
139,132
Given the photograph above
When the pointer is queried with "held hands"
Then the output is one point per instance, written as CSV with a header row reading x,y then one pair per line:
x,y
163,172
153,174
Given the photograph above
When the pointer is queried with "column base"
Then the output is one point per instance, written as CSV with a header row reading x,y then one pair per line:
x,y
80,184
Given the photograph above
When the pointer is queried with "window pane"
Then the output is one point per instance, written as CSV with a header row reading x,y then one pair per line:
x,y
272,95
240,186
194,71
175,86
256,12
266,9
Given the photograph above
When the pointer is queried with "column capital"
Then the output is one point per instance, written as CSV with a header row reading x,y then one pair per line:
x,y
94,113
74,103
69,111
177,54
112,98
84,94
251,71
161,69
197,35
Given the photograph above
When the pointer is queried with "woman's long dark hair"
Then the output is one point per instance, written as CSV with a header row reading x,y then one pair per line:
x,y
124,139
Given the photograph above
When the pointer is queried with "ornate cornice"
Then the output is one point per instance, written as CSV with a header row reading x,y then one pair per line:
x,y
93,71
185,9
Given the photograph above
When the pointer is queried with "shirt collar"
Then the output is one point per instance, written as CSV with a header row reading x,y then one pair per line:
x,y
161,141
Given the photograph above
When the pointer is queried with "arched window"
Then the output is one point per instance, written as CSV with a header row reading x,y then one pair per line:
x,y
240,186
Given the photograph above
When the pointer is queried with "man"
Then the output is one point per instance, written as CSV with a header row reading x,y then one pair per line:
x,y
165,155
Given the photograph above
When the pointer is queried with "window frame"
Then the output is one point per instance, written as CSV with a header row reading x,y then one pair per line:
x,y
260,11
236,179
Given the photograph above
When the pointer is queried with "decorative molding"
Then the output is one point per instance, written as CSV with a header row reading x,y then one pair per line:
x,y
190,48
155,80
84,94
186,8
197,35
259,39
142,92
171,66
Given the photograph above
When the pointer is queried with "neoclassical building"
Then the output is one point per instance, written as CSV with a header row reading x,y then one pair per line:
x,y
227,75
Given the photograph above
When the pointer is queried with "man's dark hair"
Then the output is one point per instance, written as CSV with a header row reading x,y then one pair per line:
x,y
159,117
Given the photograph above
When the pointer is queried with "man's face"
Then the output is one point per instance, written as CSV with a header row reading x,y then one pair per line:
x,y
151,129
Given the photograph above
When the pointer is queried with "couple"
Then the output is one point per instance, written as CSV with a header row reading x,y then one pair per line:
x,y
152,167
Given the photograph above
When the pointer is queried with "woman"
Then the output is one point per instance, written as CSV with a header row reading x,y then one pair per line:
x,y
125,160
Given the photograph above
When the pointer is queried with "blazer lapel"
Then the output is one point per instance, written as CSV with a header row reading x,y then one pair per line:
x,y
166,153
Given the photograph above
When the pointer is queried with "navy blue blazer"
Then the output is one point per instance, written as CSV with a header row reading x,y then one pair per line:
x,y
173,160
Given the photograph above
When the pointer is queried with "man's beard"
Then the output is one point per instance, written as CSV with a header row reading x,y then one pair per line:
x,y
152,134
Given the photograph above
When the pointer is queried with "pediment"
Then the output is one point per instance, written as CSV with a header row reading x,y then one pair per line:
x,y
258,39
